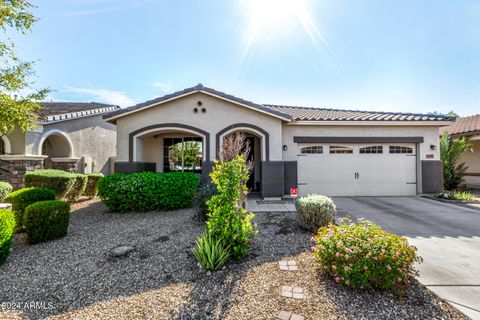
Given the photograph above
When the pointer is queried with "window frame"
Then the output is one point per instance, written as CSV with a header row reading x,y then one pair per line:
x,y
317,148
375,149
168,142
393,149
346,149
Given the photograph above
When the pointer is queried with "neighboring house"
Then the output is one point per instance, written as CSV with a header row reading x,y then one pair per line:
x,y
70,136
326,151
468,127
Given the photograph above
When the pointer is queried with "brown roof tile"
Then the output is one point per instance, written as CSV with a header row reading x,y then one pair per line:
x,y
464,126
321,114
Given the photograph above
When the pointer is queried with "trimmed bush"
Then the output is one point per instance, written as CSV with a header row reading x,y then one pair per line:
x,y
148,191
91,190
22,198
364,256
78,188
7,229
315,211
5,189
46,220
59,181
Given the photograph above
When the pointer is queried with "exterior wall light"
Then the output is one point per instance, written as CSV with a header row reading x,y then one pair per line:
x,y
433,147
285,147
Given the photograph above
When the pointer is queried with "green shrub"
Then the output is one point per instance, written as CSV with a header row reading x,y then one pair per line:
x,y
46,220
78,188
465,196
364,256
227,219
211,252
22,198
148,191
59,181
5,189
91,190
204,193
7,229
315,211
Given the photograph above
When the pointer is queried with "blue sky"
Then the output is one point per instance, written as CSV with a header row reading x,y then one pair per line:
x,y
409,55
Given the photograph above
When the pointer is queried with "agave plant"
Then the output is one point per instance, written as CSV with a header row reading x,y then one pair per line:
x,y
211,252
450,152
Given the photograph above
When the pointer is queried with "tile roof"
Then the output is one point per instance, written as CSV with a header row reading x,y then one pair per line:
x,y
56,111
464,126
322,114
288,113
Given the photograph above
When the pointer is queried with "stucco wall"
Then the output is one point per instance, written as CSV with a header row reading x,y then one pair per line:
x,y
219,115
472,159
430,134
90,136
17,142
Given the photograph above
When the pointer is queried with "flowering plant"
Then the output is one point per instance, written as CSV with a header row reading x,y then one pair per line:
x,y
362,255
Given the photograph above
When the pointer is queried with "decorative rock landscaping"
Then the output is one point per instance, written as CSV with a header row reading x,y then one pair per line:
x,y
77,279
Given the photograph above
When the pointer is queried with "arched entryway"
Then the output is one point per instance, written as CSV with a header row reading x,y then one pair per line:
x,y
170,147
5,146
57,147
258,143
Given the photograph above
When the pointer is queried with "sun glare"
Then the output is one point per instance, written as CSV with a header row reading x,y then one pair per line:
x,y
270,20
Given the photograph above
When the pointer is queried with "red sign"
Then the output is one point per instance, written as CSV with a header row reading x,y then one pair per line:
x,y
293,192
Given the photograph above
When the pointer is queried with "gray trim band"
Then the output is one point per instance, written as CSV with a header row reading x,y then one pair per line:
x,y
247,125
310,139
164,125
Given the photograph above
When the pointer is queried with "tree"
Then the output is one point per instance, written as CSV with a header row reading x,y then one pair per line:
x,y
451,113
18,100
450,152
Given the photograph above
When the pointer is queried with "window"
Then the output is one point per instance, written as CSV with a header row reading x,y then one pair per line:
x,y
400,149
340,149
182,154
312,150
372,149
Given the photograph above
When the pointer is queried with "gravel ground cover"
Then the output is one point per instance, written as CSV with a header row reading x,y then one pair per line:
x,y
80,277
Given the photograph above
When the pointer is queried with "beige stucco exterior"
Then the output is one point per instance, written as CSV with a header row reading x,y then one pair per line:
x,y
219,115
90,137
472,160
429,133
141,131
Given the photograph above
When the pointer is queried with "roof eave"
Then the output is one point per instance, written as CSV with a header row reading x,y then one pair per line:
x,y
113,116
439,123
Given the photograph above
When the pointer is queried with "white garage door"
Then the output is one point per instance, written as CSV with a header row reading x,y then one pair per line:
x,y
357,169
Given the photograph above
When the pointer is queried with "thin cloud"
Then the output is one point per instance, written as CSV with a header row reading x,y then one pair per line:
x,y
164,86
102,95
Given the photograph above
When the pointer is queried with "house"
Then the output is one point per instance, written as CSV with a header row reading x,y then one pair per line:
x,y
69,136
468,127
326,151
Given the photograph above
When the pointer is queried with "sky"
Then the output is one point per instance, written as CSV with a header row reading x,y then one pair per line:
x,y
410,55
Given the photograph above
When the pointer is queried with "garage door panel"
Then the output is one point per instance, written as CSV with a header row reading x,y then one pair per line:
x,y
378,174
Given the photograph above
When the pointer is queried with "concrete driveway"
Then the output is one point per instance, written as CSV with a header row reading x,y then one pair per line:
x,y
447,237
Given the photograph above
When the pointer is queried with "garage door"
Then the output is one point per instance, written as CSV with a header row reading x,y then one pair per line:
x,y
357,170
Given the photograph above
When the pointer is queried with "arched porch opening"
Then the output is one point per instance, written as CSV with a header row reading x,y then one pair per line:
x,y
5,146
171,148
257,140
